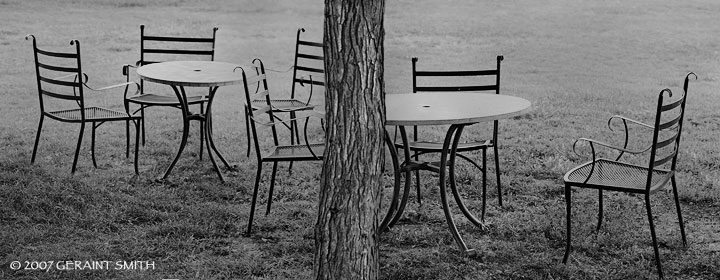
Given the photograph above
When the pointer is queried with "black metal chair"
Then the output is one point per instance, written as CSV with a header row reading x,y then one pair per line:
x,y
308,69
278,152
614,175
154,49
447,80
60,82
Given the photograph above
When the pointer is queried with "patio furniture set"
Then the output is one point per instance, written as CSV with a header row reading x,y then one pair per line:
x,y
433,102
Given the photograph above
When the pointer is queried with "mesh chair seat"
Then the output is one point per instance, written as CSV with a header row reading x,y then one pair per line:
x,y
150,99
91,114
295,152
283,104
428,146
618,176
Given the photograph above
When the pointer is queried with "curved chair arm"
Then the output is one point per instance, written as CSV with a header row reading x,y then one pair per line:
x,y
126,85
307,103
112,86
614,147
625,121
316,114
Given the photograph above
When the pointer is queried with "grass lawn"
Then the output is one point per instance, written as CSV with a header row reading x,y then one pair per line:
x,y
578,61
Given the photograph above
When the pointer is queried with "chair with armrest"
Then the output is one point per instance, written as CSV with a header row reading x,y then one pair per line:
x,y
451,81
308,69
154,49
61,84
277,152
615,175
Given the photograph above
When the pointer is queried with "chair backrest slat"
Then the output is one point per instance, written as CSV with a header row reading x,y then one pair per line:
x,y
60,96
57,54
178,39
666,142
311,56
309,69
308,81
308,43
665,159
670,123
57,68
673,105
61,83
457,88
456,73
173,51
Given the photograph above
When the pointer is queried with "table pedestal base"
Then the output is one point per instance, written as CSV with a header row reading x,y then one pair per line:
x,y
450,145
206,127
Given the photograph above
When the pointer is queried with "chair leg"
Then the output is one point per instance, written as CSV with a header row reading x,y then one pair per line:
x,y
484,183
92,145
142,122
127,138
417,181
497,174
77,149
37,138
247,131
417,187
293,130
254,198
568,223
272,187
202,130
677,207
137,142
600,209
654,237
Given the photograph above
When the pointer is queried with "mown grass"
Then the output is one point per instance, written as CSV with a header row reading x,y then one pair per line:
x,y
579,62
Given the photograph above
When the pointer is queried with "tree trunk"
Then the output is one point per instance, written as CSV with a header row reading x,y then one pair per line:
x,y
346,240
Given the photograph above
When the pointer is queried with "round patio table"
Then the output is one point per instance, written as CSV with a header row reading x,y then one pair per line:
x,y
457,109
181,74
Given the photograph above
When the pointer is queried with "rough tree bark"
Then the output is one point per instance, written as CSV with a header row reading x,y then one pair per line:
x,y
346,230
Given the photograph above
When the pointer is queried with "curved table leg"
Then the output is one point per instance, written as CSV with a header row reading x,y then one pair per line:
x,y
443,194
384,225
408,176
186,126
453,184
208,128
207,135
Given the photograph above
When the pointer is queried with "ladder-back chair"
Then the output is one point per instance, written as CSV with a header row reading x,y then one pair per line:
x,y
614,175
278,152
458,80
61,84
154,49
308,69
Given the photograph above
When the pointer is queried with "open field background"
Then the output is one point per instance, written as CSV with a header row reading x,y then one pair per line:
x,y
578,61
